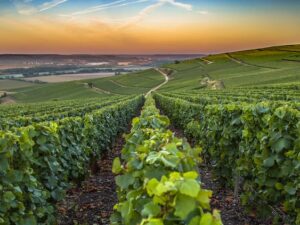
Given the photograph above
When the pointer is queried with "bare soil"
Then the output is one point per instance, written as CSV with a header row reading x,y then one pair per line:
x,y
92,202
7,100
232,211
69,77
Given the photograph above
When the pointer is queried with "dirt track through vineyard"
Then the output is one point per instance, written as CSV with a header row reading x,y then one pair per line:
x,y
93,202
162,84
232,212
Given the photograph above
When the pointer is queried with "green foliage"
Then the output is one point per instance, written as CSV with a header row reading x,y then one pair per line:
x,y
39,162
127,84
132,83
257,141
158,181
55,91
6,84
24,115
278,65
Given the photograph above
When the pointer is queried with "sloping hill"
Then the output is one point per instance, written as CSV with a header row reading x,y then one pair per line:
x,y
6,84
57,91
135,83
246,68
274,65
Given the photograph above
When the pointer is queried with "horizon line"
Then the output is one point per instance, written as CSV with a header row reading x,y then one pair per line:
x,y
150,54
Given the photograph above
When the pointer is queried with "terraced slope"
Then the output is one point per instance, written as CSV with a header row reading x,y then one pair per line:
x,y
246,68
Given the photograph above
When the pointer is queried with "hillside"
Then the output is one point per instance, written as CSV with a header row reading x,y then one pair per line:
x,y
69,145
135,83
245,68
274,65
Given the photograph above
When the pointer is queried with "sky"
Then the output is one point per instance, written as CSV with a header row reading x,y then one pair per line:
x,y
146,26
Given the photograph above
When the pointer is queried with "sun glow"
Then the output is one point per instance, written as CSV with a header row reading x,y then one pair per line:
x,y
139,26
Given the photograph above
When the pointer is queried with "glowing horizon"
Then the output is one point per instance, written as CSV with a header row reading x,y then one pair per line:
x,y
145,26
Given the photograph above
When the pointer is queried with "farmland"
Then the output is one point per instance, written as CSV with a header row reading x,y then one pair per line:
x,y
217,143
68,77
6,85
246,68
136,83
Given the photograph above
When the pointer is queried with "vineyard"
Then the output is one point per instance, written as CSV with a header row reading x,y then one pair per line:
x,y
246,135
251,137
160,182
42,155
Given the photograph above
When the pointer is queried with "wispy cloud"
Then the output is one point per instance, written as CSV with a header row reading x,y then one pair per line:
x,y
178,4
203,12
49,5
122,3
25,7
143,13
115,4
149,9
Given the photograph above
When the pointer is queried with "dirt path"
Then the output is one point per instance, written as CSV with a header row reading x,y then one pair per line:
x,y
101,90
207,61
232,212
162,84
93,202
7,100
116,83
236,60
96,89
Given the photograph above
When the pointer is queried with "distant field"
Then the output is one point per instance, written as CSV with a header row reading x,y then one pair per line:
x,y
6,85
127,84
58,91
276,65
69,77
134,83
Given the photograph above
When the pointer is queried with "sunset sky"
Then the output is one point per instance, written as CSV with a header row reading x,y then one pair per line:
x,y
146,26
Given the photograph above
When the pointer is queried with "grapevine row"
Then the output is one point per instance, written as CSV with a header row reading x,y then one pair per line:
x,y
39,162
158,180
7,123
257,143
210,99
32,109
243,97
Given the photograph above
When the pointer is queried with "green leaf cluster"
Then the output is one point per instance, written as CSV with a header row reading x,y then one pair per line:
x,y
39,162
157,177
260,142
27,114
